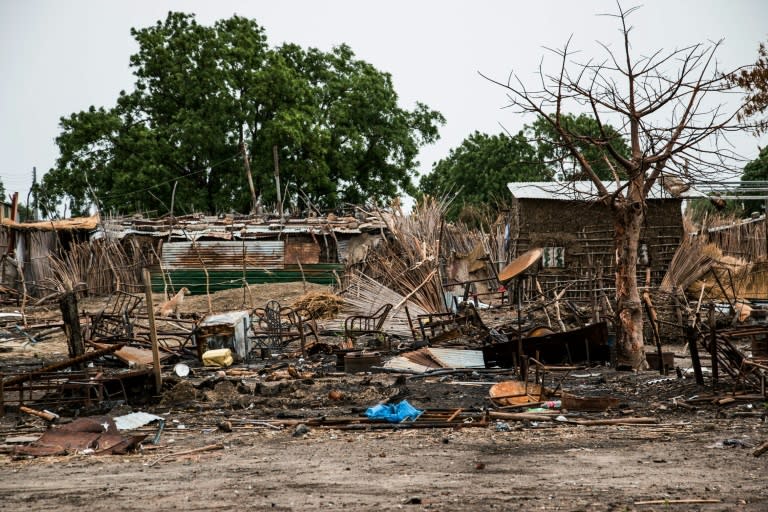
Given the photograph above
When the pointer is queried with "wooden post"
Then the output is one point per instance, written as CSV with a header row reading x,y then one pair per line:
x,y
248,174
713,345
68,306
692,338
650,312
152,331
277,182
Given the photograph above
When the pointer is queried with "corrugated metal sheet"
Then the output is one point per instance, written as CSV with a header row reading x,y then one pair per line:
x,y
342,248
217,255
136,420
457,358
401,363
306,253
579,190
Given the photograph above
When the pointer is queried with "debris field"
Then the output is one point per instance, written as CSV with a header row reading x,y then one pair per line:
x,y
333,418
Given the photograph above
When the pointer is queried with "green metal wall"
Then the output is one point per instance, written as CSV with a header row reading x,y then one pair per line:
x,y
195,280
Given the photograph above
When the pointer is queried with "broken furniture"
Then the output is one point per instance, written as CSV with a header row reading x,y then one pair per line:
x,y
723,346
274,327
515,392
58,385
436,328
224,330
113,321
496,293
357,326
541,370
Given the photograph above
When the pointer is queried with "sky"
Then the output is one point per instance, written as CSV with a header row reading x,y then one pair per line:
x,y
60,57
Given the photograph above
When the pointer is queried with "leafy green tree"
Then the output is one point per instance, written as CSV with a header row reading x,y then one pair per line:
x,y
554,152
476,173
756,170
210,107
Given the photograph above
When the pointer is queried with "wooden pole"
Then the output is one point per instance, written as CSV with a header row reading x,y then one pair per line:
x,y
277,182
68,306
248,174
692,336
761,449
713,346
152,331
46,415
650,312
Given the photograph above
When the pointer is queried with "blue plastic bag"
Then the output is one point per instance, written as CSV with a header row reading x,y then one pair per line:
x,y
393,413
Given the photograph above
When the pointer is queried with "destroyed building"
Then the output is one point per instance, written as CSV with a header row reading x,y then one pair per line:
x,y
202,253
576,234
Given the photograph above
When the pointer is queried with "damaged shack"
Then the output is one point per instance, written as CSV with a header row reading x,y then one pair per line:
x,y
576,235
201,253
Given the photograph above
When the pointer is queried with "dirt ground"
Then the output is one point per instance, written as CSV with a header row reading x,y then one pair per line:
x,y
271,446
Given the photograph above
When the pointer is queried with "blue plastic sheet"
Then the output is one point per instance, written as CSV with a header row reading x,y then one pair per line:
x,y
393,413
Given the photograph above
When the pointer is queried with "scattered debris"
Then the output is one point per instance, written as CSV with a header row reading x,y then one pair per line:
x,y
429,358
97,435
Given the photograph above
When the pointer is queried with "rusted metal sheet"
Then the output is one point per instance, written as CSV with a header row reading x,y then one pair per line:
x,y
134,355
586,344
97,434
342,248
303,252
263,254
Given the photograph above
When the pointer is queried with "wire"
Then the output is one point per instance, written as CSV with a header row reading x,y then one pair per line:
x,y
217,164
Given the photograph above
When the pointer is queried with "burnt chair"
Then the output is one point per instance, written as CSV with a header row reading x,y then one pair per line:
x,y
274,327
357,326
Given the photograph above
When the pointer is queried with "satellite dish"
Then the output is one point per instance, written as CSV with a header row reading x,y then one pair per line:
x,y
520,264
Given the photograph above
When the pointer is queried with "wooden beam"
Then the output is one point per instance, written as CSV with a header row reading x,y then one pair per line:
x,y
152,331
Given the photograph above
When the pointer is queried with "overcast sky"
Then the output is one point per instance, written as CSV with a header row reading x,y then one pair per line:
x,y
60,57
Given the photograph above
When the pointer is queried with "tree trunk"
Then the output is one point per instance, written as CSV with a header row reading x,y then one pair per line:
x,y
629,216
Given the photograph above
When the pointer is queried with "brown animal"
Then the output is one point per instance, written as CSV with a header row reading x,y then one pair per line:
x,y
171,306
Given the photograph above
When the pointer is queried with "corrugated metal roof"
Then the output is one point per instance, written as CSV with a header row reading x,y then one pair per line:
x,y
582,190
248,232
196,226
222,255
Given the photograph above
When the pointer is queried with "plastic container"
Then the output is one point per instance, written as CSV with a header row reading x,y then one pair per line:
x,y
218,357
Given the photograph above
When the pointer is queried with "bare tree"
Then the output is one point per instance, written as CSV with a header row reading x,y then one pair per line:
x,y
671,108
754,79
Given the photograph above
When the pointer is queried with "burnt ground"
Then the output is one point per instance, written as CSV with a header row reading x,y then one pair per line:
x,y
272,445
